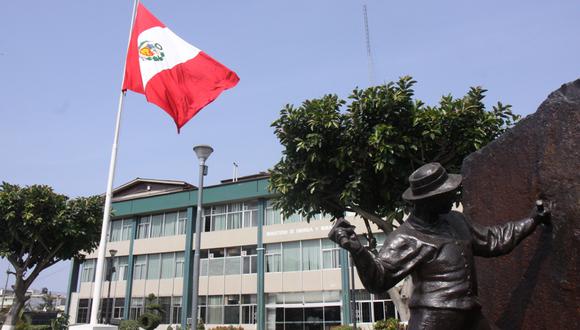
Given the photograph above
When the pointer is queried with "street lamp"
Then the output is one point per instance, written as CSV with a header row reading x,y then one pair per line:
x,y
111,270
202,152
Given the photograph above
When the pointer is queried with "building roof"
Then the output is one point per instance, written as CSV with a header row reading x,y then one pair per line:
x,y
261,175
141,187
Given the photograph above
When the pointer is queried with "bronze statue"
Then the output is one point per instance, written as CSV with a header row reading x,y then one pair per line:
x,y
436,246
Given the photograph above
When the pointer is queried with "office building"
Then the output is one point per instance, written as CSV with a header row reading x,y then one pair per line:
x,y
305,276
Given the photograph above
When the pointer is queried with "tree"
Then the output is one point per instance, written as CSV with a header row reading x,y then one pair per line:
x,y
41,228
153,314
356,156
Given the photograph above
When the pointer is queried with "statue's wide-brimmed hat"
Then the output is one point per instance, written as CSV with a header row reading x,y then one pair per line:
x,y
430,180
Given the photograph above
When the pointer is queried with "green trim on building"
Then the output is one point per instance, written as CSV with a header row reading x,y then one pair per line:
x,y
187,269
345,286
129,287
211,195
261,297
73,283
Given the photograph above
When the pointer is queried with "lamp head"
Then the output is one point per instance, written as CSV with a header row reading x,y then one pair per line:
x,y
113,252
202,151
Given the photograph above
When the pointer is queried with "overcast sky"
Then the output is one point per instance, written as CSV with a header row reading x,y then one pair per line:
x,y
61,68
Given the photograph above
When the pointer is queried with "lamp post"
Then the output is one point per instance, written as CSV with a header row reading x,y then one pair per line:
x,y
202,152
110,270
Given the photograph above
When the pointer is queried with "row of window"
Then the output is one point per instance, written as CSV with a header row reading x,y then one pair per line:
x,y
307,255
115,308
150,226
146,266
286,310
216,218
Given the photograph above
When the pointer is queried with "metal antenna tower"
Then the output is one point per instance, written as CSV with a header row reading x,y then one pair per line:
x,y
368,43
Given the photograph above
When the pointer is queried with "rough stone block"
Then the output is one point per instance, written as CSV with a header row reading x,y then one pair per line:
x,y
536,286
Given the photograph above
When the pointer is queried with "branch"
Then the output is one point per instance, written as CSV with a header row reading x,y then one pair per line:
x,y
385,226
45,263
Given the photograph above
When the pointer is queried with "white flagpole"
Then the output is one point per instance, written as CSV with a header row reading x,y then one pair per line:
x,y
107,209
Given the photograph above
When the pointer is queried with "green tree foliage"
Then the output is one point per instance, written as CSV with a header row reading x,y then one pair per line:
x,y
41,228
153,312
356,155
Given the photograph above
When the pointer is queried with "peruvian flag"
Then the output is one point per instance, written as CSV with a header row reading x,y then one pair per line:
x,y
172,74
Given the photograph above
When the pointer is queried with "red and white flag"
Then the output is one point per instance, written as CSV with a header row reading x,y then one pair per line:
x,y
172,74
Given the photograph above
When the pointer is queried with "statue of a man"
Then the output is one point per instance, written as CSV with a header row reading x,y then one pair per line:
x,y
436,246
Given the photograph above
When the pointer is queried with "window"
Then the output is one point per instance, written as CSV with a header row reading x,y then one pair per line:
x,y
119,308
167,265
207,224
248,309
83,313
249,259
165,224
233,261
136,308
218,217
232,309
153,266
330,254
178,264
273,257
291,256
311,255
116,228
216,262
215,310
127,228
230,216
165,304
88,271
250,214
203,262
273,216
170,224
176,310
140,268
234,216
143,227
293,218
121,230
122,265
157,225
181,222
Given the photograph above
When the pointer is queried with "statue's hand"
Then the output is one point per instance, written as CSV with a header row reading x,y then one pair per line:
x,y
542,212
342,233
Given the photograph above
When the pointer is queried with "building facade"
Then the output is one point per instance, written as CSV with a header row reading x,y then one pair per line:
x,y
255,264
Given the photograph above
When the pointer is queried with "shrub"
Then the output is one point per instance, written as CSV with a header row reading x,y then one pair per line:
x,y
388,324
129,325
228,327
149,321
200,325
169,327
343,327
60,323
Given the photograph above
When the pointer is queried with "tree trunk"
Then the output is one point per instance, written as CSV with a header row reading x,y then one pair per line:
x,y
19,299
400,299
13,314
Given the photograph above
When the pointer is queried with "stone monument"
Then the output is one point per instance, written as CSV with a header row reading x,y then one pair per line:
x,y
536,286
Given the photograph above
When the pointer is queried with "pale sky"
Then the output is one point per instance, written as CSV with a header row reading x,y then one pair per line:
x,y
61,68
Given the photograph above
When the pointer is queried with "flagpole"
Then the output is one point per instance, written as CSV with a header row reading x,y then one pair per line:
x,y
108,197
